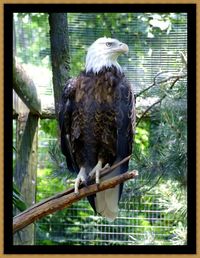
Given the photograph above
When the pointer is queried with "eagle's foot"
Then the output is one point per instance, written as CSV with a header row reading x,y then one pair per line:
x,y
96,171
82,177
106,166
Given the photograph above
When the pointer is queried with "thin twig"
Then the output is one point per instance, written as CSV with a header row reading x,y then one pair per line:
x,y
183,58
149,108
160,100
141,92
173,76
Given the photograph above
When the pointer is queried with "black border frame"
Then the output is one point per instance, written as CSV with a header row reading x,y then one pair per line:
x,y
9,9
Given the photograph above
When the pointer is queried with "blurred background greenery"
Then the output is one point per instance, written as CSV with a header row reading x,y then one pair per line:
x,y
153,208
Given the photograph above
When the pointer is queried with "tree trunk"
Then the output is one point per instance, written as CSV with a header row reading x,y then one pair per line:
x,y
59,54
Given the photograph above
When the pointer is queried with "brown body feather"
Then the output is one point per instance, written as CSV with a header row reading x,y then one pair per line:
x,y
97,119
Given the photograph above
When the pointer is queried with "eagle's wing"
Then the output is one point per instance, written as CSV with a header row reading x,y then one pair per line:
x,y
65,118
126,131
126,121
106,202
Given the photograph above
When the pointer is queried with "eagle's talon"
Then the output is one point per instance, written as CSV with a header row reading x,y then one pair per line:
x,y
80,178
106,166
97,179
97,167
96,172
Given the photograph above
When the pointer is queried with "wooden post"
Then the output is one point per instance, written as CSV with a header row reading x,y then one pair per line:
x,y
26,142
26,165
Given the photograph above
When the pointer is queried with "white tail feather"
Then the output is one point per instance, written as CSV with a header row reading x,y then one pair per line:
x,y
106,202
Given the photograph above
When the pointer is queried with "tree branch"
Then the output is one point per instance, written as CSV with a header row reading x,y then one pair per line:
x,y
25,89
149,108
155,82
175,77
65,200
103,173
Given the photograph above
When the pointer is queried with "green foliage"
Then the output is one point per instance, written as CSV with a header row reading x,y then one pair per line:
x,y
50,127
179,235
18,201
142,31
52,178
167,224
35,38
45,184
173,200
141,140
155,24
160,148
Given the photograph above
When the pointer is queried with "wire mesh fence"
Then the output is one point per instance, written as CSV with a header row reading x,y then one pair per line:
x,y
147,55
133,226
144,219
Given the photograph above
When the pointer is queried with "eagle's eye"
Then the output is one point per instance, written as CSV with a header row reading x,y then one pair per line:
x,y
109,44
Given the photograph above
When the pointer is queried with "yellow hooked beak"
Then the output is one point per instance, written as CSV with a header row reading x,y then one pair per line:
x,y
124,48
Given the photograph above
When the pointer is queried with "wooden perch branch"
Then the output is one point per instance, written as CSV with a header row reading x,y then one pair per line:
x,y
103,173
54,204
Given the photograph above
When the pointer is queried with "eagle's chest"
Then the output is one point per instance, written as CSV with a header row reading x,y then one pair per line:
x,y
98,91
96,108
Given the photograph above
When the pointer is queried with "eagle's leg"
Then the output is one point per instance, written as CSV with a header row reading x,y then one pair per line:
x,y
96,171
80,178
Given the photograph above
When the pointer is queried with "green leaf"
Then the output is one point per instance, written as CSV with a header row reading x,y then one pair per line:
x,y
18,201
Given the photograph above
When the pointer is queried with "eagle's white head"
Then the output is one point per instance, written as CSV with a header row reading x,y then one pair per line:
x,y
104,53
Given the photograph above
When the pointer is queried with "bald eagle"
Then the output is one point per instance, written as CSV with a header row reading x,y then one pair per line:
x,y
96,119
